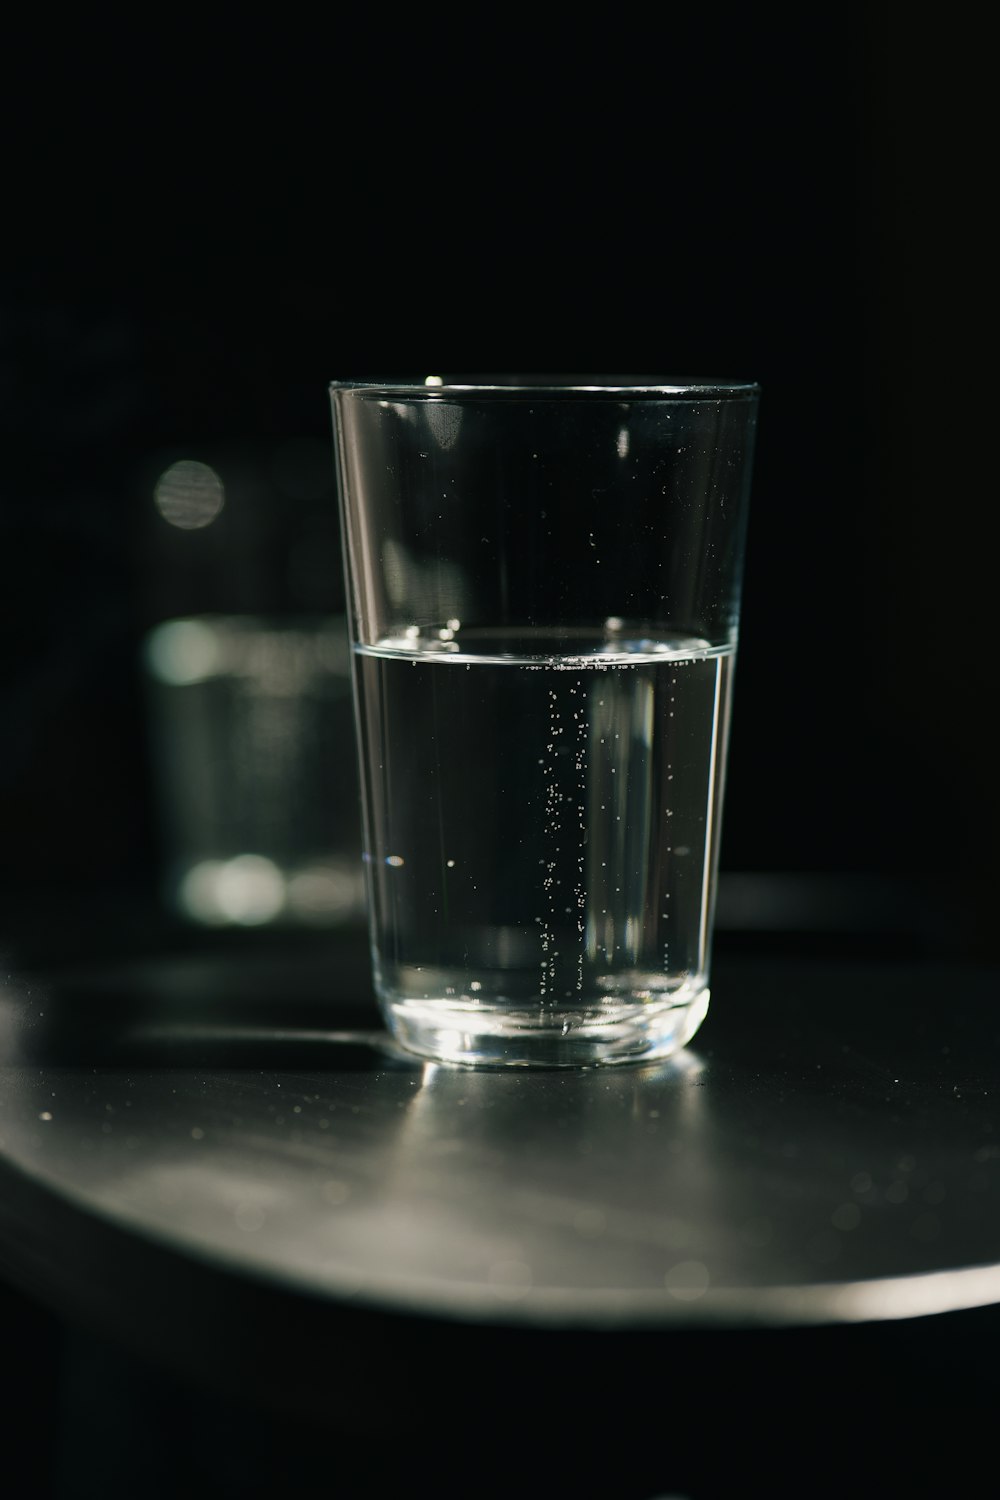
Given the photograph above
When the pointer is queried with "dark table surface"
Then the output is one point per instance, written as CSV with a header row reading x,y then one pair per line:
x,y
219,1159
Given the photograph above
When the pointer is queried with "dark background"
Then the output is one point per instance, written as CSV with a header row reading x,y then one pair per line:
x,y
203,230
205,236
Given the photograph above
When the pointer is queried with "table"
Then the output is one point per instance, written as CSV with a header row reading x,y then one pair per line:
x,y
222,1161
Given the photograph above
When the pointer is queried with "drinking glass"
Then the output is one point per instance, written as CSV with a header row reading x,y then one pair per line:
x,y
543,577
254,769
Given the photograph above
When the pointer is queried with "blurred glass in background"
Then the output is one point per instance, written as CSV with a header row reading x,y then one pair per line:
x,y
252,738
248,694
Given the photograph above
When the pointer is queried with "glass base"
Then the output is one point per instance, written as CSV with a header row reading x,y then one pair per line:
x,y
484,1035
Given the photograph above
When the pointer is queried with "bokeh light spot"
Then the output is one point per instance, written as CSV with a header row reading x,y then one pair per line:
x,y
189,494
182,652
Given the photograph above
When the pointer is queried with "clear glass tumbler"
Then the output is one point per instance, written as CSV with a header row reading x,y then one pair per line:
x,y
544,582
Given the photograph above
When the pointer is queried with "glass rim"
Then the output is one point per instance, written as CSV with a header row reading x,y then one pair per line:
x,y
548,387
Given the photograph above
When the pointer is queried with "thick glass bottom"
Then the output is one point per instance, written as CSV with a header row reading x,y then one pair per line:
x,y
618,1030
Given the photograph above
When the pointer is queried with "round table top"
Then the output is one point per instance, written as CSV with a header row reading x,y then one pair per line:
x,y
825,1151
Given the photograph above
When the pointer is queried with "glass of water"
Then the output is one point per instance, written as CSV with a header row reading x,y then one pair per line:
x,y
544,582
